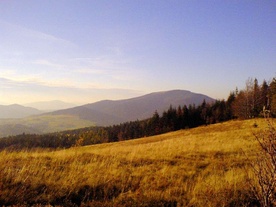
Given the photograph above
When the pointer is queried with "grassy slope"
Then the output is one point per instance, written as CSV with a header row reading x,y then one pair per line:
x,y
205,166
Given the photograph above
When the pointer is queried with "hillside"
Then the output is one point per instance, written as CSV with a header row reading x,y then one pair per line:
x,y
108,112
204,166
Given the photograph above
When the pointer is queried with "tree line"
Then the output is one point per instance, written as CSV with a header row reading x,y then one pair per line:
x,y
254,99
247,103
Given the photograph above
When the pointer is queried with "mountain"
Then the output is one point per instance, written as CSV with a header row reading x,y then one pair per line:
x,y
15,111
108,112
50,105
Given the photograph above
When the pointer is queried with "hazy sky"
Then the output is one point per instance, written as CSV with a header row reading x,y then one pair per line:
x,y
82,51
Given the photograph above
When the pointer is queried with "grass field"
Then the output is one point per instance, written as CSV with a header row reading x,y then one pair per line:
x,y
205,166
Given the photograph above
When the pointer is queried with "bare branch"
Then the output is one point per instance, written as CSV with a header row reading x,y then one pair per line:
x,y
264,168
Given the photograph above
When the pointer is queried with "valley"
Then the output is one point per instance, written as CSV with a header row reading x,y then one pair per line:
x,y
41,124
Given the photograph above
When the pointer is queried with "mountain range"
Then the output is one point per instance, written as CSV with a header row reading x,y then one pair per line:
x,y
102,113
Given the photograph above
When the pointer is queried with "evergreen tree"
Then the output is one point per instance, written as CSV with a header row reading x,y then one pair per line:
x,y
229,106
264,94
272,95
257,104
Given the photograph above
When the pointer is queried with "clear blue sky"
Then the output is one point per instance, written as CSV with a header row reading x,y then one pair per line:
x,y
82,51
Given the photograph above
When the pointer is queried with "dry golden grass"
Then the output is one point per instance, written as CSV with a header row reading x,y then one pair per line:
x,y
205,166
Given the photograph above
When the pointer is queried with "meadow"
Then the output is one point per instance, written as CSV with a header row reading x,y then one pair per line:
x,y
204,166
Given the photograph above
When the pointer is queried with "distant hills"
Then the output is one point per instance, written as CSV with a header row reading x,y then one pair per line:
x,y
50,105
108,112
102,113
16,111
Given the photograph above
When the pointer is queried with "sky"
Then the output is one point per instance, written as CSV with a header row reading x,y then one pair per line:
x,y
83,51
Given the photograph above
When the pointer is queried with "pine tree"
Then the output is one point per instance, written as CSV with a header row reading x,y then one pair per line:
x,y
264,94
272,90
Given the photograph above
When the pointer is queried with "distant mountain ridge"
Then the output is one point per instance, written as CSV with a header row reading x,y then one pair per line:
x,y
16,111
108,112
50,105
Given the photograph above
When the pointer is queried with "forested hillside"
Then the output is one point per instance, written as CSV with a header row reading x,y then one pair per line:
x,y
250,102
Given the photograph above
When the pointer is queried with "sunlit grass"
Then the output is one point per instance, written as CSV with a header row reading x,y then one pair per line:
x,y
205,166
